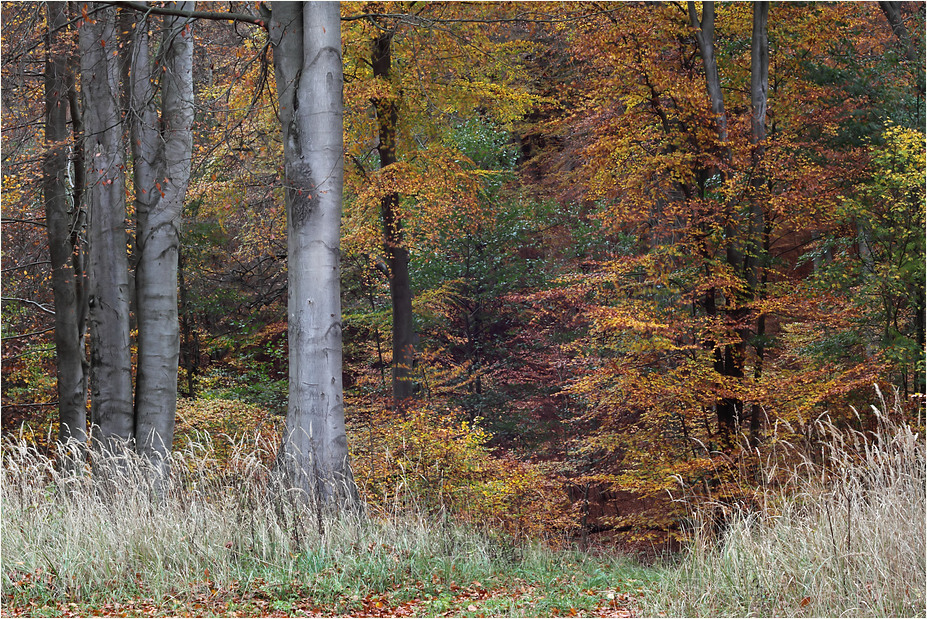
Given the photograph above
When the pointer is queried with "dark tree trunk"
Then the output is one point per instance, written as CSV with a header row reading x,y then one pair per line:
x,y
62,218
728,358
397,256
189,342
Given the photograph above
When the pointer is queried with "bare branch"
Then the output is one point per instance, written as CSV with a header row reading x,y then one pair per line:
x,y
144,7
30,302
24,335
418,20
20,267
30,222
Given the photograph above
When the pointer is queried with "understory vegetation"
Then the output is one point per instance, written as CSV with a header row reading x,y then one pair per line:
x,y
223,538
839,533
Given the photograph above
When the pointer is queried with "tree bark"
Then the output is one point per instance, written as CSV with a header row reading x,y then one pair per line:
x,y
892,12
759,80
756,258
61,219
189,341
397,256
161,153
705,35
110,370
729,359
308,67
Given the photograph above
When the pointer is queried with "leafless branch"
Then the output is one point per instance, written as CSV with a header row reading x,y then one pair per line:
x,y
144,7
13,220
24,335
29,302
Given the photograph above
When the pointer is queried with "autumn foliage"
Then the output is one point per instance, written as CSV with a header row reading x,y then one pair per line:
x,y
596,271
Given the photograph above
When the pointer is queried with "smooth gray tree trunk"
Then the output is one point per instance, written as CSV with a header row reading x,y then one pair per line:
x,y
162,150
705,35
306,38
62,217
110,370
757,253
759,72
759,89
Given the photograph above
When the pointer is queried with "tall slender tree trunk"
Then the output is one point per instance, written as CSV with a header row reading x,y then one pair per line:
x,y
729,358
162,152
397,256
758,236
62,218
189,342
306,38
110,370
759,88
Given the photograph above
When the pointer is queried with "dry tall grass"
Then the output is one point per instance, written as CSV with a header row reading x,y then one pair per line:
x,y
115,536
843,536
119,532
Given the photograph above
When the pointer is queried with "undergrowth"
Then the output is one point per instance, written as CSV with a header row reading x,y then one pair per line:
x,y
839,531
836,528
224,539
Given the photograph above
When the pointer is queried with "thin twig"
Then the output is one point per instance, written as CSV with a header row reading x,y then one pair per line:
x,y
30,334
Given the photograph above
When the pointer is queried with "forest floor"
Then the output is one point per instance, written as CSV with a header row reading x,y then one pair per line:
x,y
587,588
472,603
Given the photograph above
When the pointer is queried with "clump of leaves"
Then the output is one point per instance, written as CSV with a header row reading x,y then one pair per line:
x,y
433,459
427,458
224,425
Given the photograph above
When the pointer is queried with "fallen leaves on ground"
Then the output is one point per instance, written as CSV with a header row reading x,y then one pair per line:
x,y
207,600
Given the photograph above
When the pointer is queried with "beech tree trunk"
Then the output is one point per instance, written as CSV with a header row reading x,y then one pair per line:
x,y
161,151
110,371
397,256
306,38
892,12
705,35
757,251
62,217
728,359
759,76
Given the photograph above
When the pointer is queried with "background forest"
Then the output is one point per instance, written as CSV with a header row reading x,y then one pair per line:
x,y
614,276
